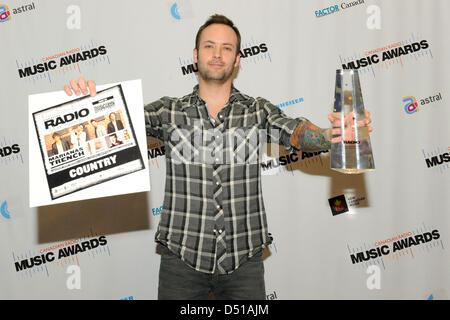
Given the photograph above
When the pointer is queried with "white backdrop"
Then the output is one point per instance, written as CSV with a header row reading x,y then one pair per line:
x,y
311,254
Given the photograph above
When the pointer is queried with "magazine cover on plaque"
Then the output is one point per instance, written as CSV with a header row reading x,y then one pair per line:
x,y
89,141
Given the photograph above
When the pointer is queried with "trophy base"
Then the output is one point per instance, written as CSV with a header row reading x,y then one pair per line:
x,y
352,170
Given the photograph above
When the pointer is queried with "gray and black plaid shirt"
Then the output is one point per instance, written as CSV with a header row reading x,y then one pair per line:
x,y
213,212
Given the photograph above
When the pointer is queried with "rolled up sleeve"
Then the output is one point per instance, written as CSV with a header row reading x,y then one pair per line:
x,y
280,126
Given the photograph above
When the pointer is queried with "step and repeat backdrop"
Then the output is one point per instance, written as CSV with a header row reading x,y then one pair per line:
x,y
380,235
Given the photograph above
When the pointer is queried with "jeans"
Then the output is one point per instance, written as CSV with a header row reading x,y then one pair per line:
x,y
178,281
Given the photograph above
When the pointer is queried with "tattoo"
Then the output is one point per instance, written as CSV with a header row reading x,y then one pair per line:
x,y
309,137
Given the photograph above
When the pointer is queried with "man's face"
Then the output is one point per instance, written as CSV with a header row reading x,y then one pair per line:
x,y
94,124
57,139
113,139
112,117
217,54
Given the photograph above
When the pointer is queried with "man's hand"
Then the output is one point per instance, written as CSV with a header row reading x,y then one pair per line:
x,y
81,86
349,129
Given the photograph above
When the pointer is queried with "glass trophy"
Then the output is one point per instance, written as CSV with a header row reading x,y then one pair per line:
x,y
351,151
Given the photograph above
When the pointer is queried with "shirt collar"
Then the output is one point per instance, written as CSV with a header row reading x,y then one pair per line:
x,y
235,96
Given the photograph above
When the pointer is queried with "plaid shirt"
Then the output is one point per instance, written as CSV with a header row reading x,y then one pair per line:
x,y
213,211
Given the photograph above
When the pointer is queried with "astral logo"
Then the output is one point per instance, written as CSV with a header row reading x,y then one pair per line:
x,y
174,11
74,280
374,280
412,106
5,15
272,296
4,210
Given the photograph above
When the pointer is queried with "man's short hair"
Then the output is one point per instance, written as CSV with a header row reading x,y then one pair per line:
x,y
221,19
56,134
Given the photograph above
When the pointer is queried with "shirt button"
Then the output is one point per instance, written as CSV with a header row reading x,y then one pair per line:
x,y
217,183
220,231
215,231
218,207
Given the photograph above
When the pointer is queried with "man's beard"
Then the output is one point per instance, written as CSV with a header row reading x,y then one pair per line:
x,y
220,77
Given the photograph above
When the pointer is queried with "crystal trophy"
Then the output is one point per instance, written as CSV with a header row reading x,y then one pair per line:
x,y
351,151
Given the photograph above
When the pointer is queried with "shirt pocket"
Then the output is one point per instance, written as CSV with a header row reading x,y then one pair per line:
x,y
243,145
182,142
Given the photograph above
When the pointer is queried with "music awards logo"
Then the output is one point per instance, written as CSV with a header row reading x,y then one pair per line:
x,y
383,58
10,152
5,14
437,158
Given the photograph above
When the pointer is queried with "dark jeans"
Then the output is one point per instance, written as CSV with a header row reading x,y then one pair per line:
x,y
178,281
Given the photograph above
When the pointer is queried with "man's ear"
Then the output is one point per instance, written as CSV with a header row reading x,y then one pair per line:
x,y
195,53
238,60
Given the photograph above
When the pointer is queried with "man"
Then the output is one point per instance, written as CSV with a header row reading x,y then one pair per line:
x,y
213,225
60,145
99,129
80,136
77,136
114,125
114,142
72,133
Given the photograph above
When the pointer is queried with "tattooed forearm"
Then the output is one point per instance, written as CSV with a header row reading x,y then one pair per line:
x,y
309,137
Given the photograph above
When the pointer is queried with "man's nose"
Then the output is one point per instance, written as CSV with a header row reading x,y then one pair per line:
x,y
217,52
